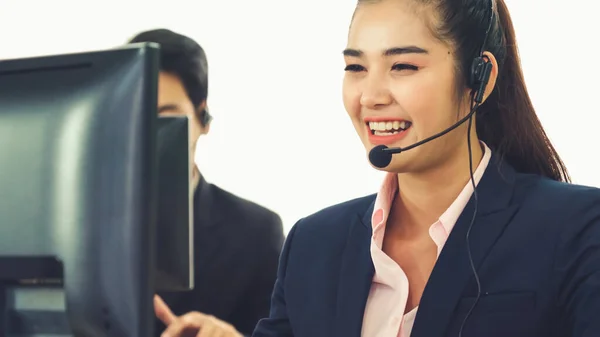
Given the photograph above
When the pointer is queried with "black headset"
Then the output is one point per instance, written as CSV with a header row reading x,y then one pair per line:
x,y
205,117
481,68
478,78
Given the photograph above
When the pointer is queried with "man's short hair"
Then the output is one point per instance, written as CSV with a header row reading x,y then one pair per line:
x,y
184,58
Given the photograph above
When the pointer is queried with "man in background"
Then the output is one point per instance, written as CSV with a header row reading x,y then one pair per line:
x,y
236,242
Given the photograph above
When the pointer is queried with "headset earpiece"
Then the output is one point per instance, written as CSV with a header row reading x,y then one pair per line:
x,y
476,70
481,69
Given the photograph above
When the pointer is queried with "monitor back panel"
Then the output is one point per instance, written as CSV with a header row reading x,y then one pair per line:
x,y
78,179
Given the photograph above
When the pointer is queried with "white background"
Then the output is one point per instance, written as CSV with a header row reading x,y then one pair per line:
x,y
281,136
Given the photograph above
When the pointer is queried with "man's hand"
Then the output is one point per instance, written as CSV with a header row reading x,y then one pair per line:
x,y
192,324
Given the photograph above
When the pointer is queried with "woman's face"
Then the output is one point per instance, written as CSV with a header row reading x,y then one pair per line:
x,y
399,86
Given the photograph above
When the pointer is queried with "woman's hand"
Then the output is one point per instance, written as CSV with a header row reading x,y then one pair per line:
x,y
192,324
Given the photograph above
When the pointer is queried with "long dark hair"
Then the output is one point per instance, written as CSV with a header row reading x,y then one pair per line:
x,y
507,121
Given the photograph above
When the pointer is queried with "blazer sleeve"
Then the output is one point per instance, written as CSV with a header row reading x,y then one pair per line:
x,y
578,265
278,323
255,304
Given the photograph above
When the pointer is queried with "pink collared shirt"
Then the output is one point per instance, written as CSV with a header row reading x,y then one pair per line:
x,y
384,313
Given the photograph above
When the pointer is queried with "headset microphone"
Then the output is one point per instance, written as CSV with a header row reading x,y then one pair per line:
x,y
380,156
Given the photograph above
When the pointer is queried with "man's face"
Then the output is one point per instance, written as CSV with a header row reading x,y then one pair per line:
x,y
173,101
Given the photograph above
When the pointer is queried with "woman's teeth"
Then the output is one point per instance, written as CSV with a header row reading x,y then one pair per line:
x,y
388,128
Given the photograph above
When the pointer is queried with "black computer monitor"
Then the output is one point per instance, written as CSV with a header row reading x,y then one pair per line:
x,y
78,175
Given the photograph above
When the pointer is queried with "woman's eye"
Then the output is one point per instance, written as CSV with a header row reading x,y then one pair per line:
x,y
354,68
401,66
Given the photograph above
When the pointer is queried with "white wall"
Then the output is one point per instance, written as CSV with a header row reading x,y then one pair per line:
x,y
281,136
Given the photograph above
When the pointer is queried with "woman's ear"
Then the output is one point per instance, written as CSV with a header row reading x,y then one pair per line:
x,y
493,75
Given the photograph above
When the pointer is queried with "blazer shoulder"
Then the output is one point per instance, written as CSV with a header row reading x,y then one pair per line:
x,y
344,209
244,210
563,206
562,195
333,220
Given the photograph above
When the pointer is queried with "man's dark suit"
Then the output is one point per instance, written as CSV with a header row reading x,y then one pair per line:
x,y
535,245
237,245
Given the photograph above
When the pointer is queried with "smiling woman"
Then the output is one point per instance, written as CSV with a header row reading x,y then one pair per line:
x,y
426,70
473,233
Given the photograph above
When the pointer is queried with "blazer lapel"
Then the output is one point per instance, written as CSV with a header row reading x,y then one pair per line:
x,y
453,270
206,211
356,275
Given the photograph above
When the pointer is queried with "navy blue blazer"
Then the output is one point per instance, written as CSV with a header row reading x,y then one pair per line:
x,y
535,244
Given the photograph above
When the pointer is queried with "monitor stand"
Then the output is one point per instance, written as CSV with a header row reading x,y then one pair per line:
x,y
33,310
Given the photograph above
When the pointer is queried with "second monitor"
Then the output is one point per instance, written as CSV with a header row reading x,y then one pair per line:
x,y
174,230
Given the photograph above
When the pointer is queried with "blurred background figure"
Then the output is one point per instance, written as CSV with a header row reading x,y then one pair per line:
x,y
236,242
